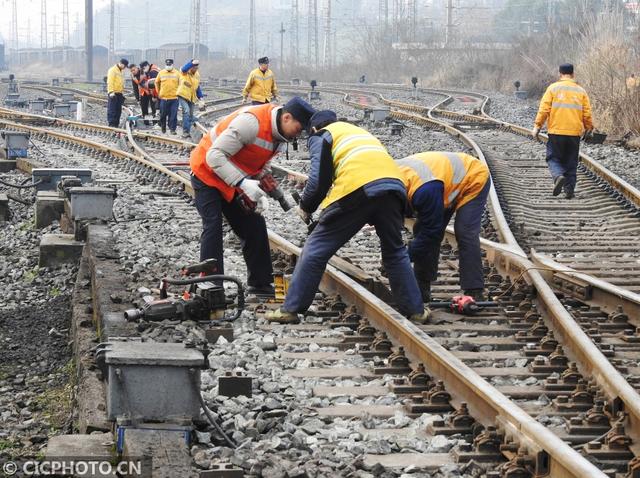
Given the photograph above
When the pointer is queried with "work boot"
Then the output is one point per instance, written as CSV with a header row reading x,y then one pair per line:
x,y
425,290
186,135
173,132
261,290
280,316
569,195
421,318
164,130
558,183
476,294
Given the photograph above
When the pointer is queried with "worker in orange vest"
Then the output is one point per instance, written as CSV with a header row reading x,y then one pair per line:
x,y
224,170
148,93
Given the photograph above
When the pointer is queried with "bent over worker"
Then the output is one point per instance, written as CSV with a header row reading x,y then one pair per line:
x,y
115,90
439,184
261,84
566,107
356,182
223,167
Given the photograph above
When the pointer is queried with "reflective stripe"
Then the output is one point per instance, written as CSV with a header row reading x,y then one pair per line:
x,y
459,171
263,77
420,167
453,195
358,150
569,106
263,143
575,89
347,140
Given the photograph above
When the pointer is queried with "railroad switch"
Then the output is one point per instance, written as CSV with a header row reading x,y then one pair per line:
x,y
397,364
434,400
417,381
222,470
459,422
485,448
235,384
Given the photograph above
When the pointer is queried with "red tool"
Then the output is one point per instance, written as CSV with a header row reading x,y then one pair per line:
x,y
462,304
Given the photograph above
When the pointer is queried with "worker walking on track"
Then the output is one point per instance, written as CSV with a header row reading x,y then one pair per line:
x,y
189,93
167,83
224,168
115,90
261,85
440,184
358,183
566,108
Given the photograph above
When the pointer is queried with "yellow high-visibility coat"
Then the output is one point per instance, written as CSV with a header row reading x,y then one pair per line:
x,y
115,80
566,107
260,86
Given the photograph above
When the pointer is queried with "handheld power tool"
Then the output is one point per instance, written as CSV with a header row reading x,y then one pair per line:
x,y
205,299
270,186
462,304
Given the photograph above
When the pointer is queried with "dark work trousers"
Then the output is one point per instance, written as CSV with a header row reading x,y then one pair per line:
x,y
385,213
169,113
467,230
254,102
145,102
114,109
563,154
250,228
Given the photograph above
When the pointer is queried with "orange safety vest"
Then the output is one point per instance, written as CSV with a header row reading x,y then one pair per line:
x,y
250,159
144,78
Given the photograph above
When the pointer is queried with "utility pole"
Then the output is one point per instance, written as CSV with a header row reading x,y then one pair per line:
x,y
312,38
43,24
112,30
449,31
205,23
88,37
196,29
383,14
326,52
295,32
65,23
252,30
282,32
147,26
412,10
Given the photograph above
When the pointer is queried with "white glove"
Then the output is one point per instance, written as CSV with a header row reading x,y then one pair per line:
x,y
111,95
252,189
304,215
535,132
244,100
262,205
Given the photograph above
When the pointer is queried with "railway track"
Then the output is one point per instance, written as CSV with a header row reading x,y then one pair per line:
x,y
485,404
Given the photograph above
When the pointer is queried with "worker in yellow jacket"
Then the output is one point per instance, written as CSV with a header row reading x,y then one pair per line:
x,y
566,108
167,83
189,93
261,85
115,90
439,184
356,182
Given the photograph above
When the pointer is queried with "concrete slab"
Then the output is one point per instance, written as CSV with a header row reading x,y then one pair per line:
x,y
92,448
56,249
428,461
351,411
364,391
167,449
340,372
4,207
49,208
7,165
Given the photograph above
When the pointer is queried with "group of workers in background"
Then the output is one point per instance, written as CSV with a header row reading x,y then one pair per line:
x,y
352,179
167,90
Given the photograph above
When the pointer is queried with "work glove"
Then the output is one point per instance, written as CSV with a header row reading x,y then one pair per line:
x,y
304,215
262,205
535,132
252,189
112,95
244,100
201,105
587,134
